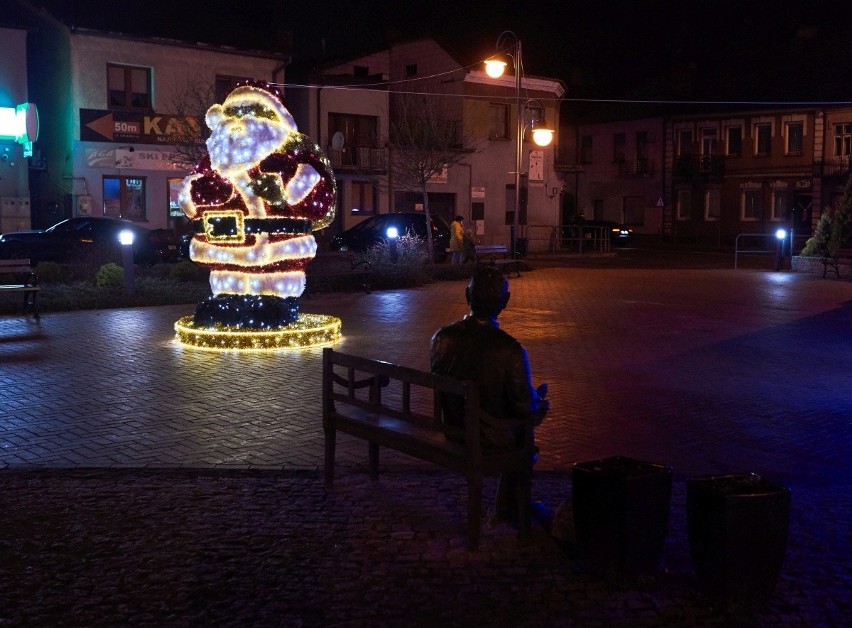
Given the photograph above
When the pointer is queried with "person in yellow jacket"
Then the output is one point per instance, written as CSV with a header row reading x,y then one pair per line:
x,y
457,240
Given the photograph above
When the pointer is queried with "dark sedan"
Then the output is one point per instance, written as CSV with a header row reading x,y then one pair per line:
x,y
375,229
86,238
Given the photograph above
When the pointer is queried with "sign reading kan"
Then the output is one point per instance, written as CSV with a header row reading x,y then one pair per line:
x,y
121,126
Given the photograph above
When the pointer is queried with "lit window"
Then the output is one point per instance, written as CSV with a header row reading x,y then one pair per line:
x,y
124,197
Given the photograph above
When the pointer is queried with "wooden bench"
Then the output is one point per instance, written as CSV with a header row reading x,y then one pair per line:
x,y
26,282
832,261
498,255
336,270
400,408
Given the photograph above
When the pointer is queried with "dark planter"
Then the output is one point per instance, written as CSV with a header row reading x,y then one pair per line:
x,y
737,527
621,515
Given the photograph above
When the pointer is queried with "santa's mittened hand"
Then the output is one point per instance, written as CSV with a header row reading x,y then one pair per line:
x,y
268,187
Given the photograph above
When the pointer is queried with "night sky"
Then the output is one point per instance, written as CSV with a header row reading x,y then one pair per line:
x,y
721,50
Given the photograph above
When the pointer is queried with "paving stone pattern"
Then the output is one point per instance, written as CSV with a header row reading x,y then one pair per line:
x,y
146,484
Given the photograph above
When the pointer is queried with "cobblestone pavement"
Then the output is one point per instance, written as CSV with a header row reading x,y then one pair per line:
x,y
147,484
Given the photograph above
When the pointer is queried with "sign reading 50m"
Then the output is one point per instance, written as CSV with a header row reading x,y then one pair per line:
x,y
97,125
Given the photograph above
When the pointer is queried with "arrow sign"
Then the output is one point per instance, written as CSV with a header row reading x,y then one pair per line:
x,y
103,126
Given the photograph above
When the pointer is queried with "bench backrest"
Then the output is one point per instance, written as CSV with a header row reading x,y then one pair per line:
x,y
400,392
18,267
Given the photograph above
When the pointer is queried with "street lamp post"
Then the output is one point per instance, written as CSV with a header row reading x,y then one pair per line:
x,y
494,67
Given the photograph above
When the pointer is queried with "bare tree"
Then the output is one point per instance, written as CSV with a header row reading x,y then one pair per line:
x,y
424,139
190,132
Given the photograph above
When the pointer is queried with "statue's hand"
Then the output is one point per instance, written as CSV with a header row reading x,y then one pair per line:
x,y
268,187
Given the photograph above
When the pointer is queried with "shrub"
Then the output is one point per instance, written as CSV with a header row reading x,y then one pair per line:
x,y
185,270
49,272
110,277
403,265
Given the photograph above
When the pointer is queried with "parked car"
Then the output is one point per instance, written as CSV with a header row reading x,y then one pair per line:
x,y
375,229
619,234
79,239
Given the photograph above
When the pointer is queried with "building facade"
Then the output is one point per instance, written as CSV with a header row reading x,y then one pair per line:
x,y
108,143
707,178
481,185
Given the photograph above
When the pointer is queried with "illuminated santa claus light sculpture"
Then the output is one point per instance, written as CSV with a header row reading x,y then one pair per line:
x,y
254,200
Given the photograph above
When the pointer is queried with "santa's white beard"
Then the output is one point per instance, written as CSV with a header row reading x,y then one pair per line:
x,y
239,145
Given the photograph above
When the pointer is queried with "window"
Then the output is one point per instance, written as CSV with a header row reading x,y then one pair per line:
x,y
712,205
174,187
684,204
781,201
795,137
762,139
498,122
224,85
352,137
751,203
735,141
586,149
411,69
684,142
843,139
124,197
709,141
128,87
619,143
363,198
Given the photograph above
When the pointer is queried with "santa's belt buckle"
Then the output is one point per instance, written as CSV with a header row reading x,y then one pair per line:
x,y
225,226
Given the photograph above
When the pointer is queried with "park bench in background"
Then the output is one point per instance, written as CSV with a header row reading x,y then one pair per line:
x,y
24,282
831,261
400,408
498,255
337,271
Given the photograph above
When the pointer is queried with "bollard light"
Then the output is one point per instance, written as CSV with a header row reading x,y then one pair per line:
x,y
781,234
125,238
393,236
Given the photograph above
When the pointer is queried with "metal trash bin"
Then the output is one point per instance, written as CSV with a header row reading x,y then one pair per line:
x,y
621,514
737,526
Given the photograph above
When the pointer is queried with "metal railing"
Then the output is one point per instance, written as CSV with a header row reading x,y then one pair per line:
x,y
585,238
781,245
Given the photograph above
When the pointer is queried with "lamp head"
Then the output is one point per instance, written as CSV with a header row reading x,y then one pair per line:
x,y
495,67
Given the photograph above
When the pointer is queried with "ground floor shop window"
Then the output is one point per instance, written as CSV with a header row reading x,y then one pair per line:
x,y
124,197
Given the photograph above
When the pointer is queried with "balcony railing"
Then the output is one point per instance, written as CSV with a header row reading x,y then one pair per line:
x,y
699,166
638,168
835,167
358,158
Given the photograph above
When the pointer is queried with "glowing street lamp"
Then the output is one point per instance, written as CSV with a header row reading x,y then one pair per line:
x,y
125,238
495,66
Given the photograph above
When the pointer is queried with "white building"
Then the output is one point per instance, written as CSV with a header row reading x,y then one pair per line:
x,y
482,187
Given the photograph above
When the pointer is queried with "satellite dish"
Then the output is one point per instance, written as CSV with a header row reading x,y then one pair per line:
x,y
337,140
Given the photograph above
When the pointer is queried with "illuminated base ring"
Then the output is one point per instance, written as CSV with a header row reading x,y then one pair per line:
x,y
309,330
